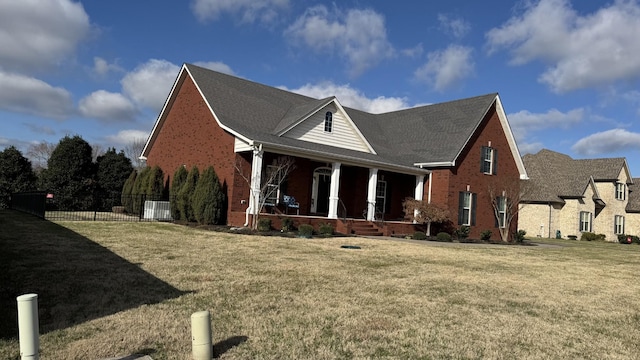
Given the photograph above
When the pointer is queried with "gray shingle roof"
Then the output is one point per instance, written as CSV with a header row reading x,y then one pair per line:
x,y
633,205
432,133
554,176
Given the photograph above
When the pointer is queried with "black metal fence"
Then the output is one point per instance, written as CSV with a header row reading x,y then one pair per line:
x,y
101,207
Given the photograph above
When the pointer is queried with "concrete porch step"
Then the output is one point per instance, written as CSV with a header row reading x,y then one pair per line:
x,y
365,229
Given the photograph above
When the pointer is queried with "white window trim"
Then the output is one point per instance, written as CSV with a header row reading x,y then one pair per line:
x,y
328,122
585,218
502,212
468,208
621,191
489,160
619,224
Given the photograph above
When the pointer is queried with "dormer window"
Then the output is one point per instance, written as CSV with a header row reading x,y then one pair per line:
x,y
328,121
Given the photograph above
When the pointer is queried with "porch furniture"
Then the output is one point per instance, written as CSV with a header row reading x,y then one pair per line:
x,y
290,203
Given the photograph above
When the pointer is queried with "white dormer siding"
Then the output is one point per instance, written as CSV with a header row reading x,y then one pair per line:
x,y
342,135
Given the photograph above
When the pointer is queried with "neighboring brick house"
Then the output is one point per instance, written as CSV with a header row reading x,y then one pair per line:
x,y
347,162
575,196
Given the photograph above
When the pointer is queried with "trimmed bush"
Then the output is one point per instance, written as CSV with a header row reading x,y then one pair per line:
x,y
208,198
444,237
628,239
287,224
127,188
179,178
419,235
305,230
325,229
185,195
264,225
140,190
518,236
588,236
601,237
463,232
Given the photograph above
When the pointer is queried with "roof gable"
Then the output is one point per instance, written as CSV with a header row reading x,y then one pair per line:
x,y
344,132
554,176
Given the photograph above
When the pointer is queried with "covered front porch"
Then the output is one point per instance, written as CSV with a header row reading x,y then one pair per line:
x,y
354,198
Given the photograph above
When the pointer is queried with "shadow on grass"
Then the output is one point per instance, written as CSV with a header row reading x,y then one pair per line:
x,y
223,346
75,278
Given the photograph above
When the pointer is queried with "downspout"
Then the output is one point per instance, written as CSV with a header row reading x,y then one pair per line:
x,y
549,226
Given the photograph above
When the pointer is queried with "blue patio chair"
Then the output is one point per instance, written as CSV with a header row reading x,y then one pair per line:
x,y
290,203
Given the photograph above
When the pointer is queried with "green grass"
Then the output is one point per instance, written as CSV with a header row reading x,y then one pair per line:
x,y
113,289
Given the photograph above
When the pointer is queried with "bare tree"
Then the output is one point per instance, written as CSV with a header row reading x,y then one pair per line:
x,y
506,194
423,212
273,175
96,150
39,154
133,150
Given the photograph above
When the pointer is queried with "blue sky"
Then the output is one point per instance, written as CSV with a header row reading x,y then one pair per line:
x,y
567,71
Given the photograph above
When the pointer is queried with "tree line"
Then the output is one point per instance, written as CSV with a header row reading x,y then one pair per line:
x,y
77,182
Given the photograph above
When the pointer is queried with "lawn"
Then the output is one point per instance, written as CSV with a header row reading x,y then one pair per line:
x,y
112,289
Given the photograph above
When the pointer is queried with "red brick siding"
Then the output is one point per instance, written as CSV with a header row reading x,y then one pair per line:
x,y
447,183
191,136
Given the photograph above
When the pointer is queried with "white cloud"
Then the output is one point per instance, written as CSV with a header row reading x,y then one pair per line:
x,y
29,95
358,35
582,51
101,67
524,121
413,52
457,27
530,148
350,97
607,142
36,34
125,137
150,83
216,66
248,11
107,106
447,68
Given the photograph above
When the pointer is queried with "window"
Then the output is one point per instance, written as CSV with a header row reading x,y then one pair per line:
x,y
621,191
619,225
328,121
585,221
489,160
381,196
502,211
467,208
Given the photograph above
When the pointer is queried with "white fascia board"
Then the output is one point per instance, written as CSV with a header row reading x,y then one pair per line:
x,y
223,126
592,183
435,164
625,166
302,119
346,115
510,139
160,118
366,142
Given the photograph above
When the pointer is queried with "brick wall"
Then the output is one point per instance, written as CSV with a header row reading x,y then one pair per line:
x,y
187,136
447,183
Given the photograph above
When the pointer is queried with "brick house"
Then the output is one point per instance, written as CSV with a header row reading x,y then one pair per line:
x,y
575,196
351,167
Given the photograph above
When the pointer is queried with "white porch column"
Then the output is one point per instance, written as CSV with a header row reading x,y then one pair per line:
x,y
371,194
256,179
333,192
419,191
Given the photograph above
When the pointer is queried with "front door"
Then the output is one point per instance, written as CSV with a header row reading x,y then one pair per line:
x,y
320,191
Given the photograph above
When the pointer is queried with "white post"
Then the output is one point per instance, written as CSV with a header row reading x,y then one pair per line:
x,y
371,194
419,192
256,180
334,191
28,328
201,335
